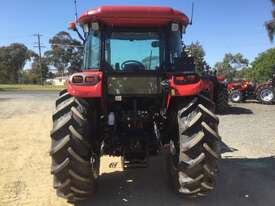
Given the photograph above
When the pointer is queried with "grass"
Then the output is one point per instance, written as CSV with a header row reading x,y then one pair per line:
x,y
29,87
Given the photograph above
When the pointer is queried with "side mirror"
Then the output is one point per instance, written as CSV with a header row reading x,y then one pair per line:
x,y
72,26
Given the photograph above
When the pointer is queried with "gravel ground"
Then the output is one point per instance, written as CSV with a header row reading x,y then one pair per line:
x,y
246,176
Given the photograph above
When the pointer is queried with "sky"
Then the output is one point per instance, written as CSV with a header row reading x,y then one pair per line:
x,y
221,26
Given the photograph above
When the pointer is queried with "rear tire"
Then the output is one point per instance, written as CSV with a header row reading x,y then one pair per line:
x,y
236,97
75,160
193,155
222,101
63,91
266,94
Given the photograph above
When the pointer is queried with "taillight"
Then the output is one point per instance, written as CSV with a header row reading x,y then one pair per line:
x,y
179,78
77,79
186,79
92,80
84,79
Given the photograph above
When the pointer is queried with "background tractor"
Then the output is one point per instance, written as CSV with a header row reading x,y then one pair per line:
x,y
242,90
138,92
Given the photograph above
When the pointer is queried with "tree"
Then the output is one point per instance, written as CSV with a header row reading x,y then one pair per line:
x,y
198,53
12,61
65,54
262,66
29,77
270,25
245,73
36,71
230,65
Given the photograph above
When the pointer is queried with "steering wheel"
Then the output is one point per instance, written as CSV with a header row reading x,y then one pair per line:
x,y
134,63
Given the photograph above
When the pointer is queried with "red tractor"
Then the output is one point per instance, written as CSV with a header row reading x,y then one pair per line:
x,y
242,90
136,93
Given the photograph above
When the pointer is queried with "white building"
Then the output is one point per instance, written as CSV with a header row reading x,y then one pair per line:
x,y
57,81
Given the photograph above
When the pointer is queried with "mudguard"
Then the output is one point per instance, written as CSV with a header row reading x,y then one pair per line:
x,y
178,91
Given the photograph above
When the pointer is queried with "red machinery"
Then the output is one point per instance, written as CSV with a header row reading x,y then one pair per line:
x,y
137,91
242,90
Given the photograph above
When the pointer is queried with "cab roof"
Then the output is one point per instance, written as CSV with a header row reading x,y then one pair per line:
x,y
133,16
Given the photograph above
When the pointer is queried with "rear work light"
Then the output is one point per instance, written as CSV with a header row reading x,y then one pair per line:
x,y
84,79
186,79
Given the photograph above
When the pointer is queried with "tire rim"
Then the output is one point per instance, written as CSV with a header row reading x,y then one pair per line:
x,y
267,95
235,97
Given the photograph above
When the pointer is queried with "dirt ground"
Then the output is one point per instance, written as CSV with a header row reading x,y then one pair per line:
x,y
246,176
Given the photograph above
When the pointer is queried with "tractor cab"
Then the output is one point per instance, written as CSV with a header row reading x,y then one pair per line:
x,y
132,39
133,47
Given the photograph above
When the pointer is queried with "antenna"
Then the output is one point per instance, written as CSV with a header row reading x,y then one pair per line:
x,y
192,14
76,14
76,21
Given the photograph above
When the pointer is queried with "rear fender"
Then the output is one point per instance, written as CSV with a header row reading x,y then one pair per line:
x,y
238,88
179,93
267,84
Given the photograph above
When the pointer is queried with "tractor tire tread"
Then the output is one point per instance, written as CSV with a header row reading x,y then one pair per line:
x,y
71,150
195,170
